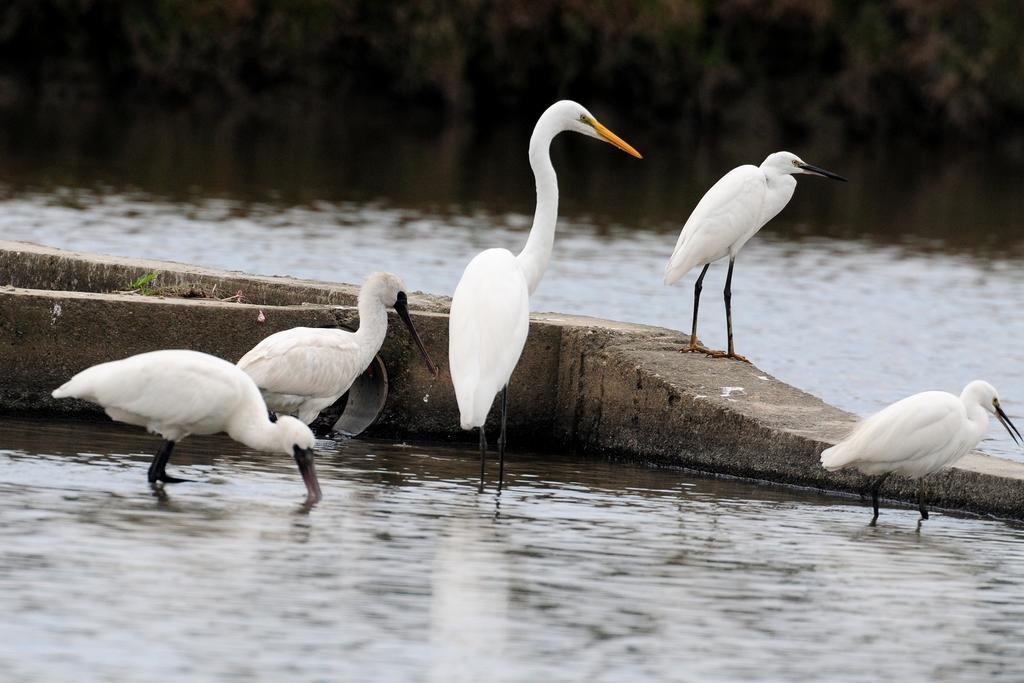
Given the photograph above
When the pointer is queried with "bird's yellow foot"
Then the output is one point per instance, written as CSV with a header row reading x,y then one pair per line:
x,y
697,348
725,354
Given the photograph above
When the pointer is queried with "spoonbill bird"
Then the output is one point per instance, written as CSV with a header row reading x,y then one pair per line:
x,y
303,370
919,435
175,393
732,212
490,312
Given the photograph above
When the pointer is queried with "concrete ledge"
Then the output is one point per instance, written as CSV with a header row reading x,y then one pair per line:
x,y
598,386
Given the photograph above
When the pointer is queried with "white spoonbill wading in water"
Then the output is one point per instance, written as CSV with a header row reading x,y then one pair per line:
x,y
490,312
919,435
303,370
176,393
732,212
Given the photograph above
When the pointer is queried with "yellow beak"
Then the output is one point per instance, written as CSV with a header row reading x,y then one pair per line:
x,y
615,139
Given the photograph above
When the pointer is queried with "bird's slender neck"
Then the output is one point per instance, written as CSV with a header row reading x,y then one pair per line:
x,y
534,258
373,325
976,413
251,424
775,177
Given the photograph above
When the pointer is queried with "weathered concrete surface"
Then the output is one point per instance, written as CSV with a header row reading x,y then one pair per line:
x,y
594,385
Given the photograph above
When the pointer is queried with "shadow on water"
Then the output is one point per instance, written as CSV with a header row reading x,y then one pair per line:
x,y
608,571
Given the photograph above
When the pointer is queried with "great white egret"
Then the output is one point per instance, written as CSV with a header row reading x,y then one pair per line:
x,y
728,215
490,312
919,435
175,393
303,370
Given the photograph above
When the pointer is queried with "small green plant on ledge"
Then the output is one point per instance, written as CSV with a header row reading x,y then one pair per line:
x,y
141,285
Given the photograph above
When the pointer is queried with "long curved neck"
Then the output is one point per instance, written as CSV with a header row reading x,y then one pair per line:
x,y
780,191
373,325
251,424
976,414
534,258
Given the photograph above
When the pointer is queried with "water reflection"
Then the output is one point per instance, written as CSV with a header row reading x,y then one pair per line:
x,y
592,569
902,280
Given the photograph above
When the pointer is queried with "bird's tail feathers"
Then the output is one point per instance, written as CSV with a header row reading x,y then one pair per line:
x,y
856,446
835,458
62,391
69,389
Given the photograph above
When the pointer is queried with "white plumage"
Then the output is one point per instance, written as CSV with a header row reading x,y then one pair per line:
x,y
303,370
726,217
485,338
176,393
919,435
490,312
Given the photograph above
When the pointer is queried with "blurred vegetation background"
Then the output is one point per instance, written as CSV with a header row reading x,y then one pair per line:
x,y
874,68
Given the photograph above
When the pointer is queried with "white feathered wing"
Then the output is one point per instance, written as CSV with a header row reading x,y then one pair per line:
x,y
302,370
490,318
916,436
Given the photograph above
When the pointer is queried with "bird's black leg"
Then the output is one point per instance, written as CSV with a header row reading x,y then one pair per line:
x,y
697,287
483,456
728,310
920,498
501,438
158,468
874,496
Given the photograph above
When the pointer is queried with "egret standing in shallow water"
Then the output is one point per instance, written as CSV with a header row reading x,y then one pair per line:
x,y
919,435
303,370
178,393
490,312
732,212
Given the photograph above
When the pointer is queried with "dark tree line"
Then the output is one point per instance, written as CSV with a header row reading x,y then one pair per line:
x,y
877,67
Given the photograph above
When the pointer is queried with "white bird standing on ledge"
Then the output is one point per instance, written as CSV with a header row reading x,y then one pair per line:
x,y
303,370
490,312
732,212
177,393
919,435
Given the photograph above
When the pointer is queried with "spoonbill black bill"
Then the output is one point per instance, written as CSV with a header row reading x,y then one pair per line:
x,y
303,370
175,393
728,215
490,311
918,436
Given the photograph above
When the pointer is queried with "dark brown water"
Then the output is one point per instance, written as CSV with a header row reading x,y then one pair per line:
x,y
581,570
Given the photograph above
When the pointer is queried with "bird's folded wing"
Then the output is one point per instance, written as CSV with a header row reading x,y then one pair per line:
x,y
916,427
304,361
490,318
728,211
186,391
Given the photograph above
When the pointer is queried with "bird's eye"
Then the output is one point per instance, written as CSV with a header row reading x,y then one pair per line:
x,y
585,120
796,162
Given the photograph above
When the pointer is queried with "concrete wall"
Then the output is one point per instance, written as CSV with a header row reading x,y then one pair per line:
x,y
597,386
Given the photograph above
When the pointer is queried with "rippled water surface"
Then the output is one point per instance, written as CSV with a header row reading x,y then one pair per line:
x,y
906,278
582,570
